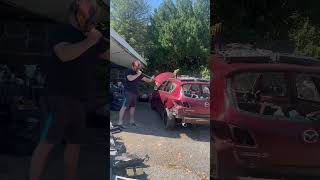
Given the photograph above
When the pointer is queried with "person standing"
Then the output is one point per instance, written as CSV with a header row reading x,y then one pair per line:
x,y
133,78
77,49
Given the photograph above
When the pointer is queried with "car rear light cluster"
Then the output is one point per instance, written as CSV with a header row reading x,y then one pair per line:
x,y
221,130
183,104
242,136
239,136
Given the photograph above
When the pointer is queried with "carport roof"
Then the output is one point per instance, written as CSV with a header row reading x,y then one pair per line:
x,y
121,52
54,9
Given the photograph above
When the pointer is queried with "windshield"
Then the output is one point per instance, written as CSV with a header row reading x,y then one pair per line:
x,y
267,93
196,91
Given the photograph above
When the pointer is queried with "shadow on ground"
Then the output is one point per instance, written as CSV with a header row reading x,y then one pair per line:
x,y
149,122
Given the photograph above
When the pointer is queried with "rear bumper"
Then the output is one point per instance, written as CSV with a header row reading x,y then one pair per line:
x,y
193,120
228,158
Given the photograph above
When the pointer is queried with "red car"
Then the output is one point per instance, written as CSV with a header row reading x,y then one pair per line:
x,y
265,115
181,100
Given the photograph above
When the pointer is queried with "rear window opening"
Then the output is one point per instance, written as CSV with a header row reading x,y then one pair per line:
x,y
268,93
196,91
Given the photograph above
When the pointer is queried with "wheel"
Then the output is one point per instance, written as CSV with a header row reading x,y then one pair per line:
x,y
153,107
169,120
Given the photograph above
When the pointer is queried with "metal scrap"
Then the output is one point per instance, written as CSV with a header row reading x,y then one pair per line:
x,y
123,164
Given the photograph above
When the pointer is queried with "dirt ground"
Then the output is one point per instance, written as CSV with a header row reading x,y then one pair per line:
x,y
179,154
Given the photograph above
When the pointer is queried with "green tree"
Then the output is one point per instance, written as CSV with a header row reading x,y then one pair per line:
x,y
180,36
306,37
130,19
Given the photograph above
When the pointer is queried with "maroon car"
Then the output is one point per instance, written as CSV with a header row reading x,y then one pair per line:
x,y
265,115
181,100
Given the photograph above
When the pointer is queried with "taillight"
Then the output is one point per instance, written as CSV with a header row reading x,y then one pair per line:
x,y
241,136
221,130
183,104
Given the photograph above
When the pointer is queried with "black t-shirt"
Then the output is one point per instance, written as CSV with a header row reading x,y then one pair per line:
x,y
133,86
76,78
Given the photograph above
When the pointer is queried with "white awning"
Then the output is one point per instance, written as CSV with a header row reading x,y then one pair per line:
x,y
121,52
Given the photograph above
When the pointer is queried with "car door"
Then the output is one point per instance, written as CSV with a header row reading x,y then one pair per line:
x,y
164,96
157,96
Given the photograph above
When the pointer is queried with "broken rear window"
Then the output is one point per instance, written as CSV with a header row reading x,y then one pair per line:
x,y
267,93
308,87
197,91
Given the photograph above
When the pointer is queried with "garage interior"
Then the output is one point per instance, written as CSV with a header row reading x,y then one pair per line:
x,y
23,54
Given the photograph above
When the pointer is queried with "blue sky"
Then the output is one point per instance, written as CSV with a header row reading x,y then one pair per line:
x,y
155,4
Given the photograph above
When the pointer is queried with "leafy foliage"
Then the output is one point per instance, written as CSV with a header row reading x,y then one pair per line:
x,y
306,37
205,73
130,18
293,23
176,35
180,36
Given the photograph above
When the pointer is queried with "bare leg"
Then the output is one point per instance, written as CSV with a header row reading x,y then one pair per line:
x,y
38,159
121,115
132,110
71,157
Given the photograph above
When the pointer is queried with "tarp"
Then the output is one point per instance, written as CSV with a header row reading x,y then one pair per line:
x,y
121,52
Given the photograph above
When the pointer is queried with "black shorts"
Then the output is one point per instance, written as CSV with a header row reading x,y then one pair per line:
x,y
130,99
64,119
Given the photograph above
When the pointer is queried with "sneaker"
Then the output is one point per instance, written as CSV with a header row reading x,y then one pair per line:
x,y
120,126
133,124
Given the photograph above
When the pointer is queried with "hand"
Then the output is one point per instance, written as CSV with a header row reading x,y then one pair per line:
x,y
139,72
93,36
152,78
176,71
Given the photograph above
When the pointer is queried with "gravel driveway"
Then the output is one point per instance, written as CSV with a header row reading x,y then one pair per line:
x,y
180,154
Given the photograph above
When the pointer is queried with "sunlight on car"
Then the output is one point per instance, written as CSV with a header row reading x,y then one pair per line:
x,y
196,91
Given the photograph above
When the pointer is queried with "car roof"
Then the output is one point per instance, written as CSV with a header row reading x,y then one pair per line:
x,y
189,80
262,60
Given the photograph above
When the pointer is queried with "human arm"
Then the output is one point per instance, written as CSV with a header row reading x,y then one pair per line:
x,y
66,51
148,80
133,77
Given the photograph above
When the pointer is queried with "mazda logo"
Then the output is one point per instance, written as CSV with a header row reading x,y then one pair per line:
x,y
310,136
206,104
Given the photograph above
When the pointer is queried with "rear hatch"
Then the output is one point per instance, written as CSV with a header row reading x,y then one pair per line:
x,y
197,96
162,77
272,130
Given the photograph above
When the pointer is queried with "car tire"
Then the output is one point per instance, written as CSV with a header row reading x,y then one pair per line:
x,y
153,107
168,120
